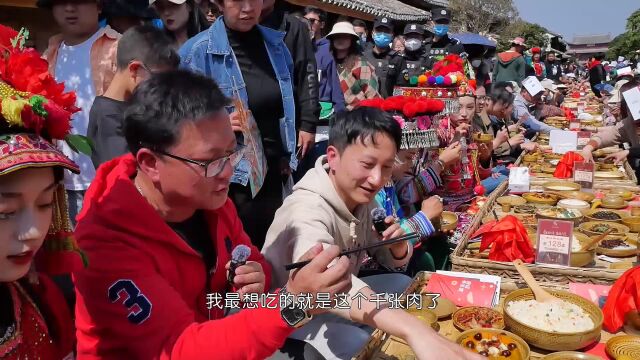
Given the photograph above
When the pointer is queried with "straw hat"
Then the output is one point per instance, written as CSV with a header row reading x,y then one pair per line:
x,y
343,28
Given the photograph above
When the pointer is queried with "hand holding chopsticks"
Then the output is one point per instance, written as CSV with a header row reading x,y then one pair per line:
x,y
406,237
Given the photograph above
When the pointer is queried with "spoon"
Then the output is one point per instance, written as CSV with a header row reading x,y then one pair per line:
x,y
596,240
539,293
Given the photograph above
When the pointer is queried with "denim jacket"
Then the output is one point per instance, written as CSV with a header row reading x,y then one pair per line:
x,y
210,54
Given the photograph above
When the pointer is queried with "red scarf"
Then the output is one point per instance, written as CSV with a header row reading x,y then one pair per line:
x,y
594,63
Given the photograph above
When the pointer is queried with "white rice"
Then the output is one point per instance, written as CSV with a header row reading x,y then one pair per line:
x,y
559,316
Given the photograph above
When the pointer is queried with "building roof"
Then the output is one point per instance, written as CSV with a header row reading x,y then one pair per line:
x,y
591,39
589,50
393,9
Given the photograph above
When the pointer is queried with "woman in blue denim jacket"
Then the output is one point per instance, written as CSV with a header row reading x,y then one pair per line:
x,y
252,66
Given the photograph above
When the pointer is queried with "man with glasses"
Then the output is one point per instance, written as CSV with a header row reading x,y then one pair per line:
x,y
316,17
142,50
160,232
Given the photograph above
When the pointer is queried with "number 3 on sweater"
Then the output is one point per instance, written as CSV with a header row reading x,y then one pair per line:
x,y
137,303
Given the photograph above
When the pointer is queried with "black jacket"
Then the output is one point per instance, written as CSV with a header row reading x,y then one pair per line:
x,y
305,73
597,75
105,130
553,65
388,66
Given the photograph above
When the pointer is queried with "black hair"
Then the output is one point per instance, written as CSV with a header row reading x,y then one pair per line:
x,y
197,22
361,124
600,56
500,93
316,10
624,112
162,103
148,44
358,22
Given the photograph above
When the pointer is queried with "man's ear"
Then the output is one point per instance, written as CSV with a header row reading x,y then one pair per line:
x,y
333,157
148,163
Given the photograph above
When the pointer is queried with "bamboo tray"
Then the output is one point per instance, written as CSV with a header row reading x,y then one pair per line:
x,y
600,274
382,346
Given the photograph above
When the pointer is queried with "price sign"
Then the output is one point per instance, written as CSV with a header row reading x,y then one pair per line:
x,y
583,174
583,138
574,125
554,242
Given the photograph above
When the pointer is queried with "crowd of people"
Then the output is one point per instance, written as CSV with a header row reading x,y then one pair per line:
x,y
237,125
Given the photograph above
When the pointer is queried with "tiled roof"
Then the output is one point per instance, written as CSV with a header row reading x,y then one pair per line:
x,y
392,8
591,39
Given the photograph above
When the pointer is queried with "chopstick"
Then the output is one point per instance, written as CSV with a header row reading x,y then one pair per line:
x,y
406,237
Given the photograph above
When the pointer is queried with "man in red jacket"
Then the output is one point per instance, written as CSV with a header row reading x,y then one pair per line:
x,y
159,231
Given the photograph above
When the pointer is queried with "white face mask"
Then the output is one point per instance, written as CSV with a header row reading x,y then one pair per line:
x,y
412,44
476,63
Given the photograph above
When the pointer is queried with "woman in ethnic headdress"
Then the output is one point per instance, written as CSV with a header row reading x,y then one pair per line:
x,y
35,321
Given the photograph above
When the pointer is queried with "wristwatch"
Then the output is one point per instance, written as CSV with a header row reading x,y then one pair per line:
x,y
292,313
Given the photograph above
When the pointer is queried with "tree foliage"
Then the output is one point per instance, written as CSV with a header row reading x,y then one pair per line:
x,y
482,16
534,34
627,43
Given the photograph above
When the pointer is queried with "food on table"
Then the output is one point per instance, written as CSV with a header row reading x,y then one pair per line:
x,y
615,244
601,228
576,245
525,209
493,346
559,213
606,215
558,316
561,188
476,317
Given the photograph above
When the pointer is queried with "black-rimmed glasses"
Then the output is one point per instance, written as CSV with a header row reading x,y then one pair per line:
x,y
214,167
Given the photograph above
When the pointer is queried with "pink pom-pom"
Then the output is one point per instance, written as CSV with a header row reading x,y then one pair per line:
x,y
479,190
447,80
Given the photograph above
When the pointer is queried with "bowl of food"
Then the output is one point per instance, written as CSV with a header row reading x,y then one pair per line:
x,y
606,166
541,198
595,228
570,355
574,204
625,194
512,200
551,156
609,175
578,195
448,221
580,258
633,222
614,202
530,158
482,138
616,246
425,315
606,215
570,323
558,213
561,186
495,344
476,317
525,209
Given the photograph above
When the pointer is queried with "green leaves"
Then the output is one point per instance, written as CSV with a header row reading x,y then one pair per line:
x,y
80,144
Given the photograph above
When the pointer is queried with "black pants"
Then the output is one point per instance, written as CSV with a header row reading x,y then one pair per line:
x,y
257,213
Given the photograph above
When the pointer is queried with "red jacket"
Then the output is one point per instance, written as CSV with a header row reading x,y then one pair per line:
x,y
143,294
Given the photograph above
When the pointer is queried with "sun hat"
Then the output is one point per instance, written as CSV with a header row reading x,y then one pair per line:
x,y
342,28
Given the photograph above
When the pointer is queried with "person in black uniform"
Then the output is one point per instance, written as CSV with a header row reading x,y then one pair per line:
x,y
388,63
442,44
415,60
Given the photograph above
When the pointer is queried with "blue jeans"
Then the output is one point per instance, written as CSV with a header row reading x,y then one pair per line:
x,y
490,184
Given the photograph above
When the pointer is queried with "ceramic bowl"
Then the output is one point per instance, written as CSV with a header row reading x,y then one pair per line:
x,y
633,222
590,215
449,221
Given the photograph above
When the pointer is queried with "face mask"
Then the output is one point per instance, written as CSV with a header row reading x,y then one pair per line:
x,y
382,39
413,44
476,63
440,29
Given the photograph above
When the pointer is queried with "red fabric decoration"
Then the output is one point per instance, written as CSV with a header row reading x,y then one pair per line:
x,y
564,170
472,84
410,110
31,120
373,103
450,64
509,238
623,297
535,50
479,190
